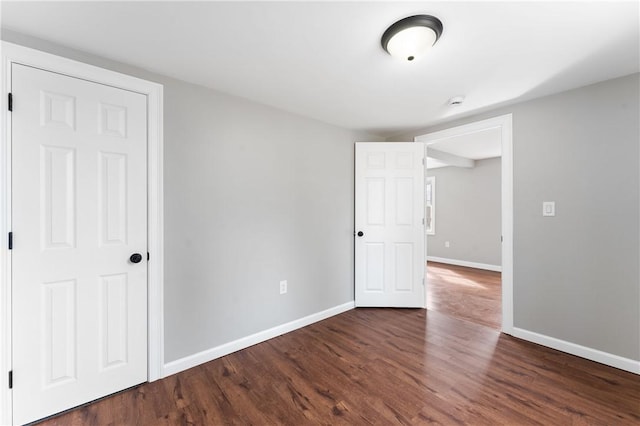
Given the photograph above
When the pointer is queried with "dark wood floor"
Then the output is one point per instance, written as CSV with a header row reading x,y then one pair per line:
x,y
381,366
466,293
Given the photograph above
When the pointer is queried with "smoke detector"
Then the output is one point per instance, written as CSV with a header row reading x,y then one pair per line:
x,y
455,101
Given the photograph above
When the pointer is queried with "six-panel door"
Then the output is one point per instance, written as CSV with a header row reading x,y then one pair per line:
x,y
389,214
79,205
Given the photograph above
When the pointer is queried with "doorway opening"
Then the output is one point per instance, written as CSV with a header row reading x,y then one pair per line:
x,y
468,222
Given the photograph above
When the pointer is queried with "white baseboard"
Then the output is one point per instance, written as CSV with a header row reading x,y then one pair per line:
x,y
596,355
486,266
190,361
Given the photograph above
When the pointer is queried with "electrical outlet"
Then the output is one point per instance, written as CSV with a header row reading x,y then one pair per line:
x,y
283,287
447,244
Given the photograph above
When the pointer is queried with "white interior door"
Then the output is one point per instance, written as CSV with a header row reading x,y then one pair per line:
x,y
390,238
79,302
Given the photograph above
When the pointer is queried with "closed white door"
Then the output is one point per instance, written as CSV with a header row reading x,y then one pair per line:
x,y
389,241
79,208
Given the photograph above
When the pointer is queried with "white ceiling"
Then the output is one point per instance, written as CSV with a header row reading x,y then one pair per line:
x,y
324,60
478,145
475,146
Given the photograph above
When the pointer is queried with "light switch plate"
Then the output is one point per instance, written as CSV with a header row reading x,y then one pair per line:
x,y
548,208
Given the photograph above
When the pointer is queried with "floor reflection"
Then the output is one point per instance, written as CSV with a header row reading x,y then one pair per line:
x,y
466,293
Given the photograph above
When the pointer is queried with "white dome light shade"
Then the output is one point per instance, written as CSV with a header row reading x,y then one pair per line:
x,y
411,37
411,43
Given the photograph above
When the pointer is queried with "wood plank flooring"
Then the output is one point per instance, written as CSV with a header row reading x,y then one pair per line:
x,y
467,293
381,366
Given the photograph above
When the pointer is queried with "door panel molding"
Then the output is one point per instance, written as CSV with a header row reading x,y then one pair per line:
x,y
13,53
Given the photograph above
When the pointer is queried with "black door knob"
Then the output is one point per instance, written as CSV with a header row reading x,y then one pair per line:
x,y
135,258
360,233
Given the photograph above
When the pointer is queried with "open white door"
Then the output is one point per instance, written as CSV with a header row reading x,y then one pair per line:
x,y
389,241
79,216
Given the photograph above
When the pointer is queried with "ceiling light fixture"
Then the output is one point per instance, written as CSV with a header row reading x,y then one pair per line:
x,y
411,37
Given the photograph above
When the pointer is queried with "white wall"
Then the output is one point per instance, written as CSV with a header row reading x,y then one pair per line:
x,y
468,213
577,275
253,195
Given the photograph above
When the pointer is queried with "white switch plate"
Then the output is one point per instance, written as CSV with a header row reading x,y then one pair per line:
x,y
548,208
283,287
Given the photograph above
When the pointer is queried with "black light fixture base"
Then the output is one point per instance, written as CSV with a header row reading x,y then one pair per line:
x,y
412,21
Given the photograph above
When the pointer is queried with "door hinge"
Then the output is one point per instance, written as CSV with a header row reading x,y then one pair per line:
x,y
501,238
423,220
147,256
10,102
11,379
10,240
423,161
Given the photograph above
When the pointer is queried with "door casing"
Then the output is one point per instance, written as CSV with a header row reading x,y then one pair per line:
x,y
13,53
504,122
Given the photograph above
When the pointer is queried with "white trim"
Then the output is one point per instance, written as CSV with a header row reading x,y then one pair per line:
x,y
507,223
485,266
13,53
5,254
190,361
504,122
606,358
155,225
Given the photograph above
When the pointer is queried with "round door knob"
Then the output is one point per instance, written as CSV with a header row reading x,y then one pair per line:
x,y
360,233
135,258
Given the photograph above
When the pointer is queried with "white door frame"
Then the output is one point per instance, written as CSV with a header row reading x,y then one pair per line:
x,y
504,122
12,53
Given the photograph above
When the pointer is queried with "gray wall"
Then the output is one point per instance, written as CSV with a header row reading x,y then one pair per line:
x,y
577,275
253,195
468,210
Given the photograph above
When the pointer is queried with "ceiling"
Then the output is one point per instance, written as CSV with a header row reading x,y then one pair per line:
x,y
324,60
478,145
